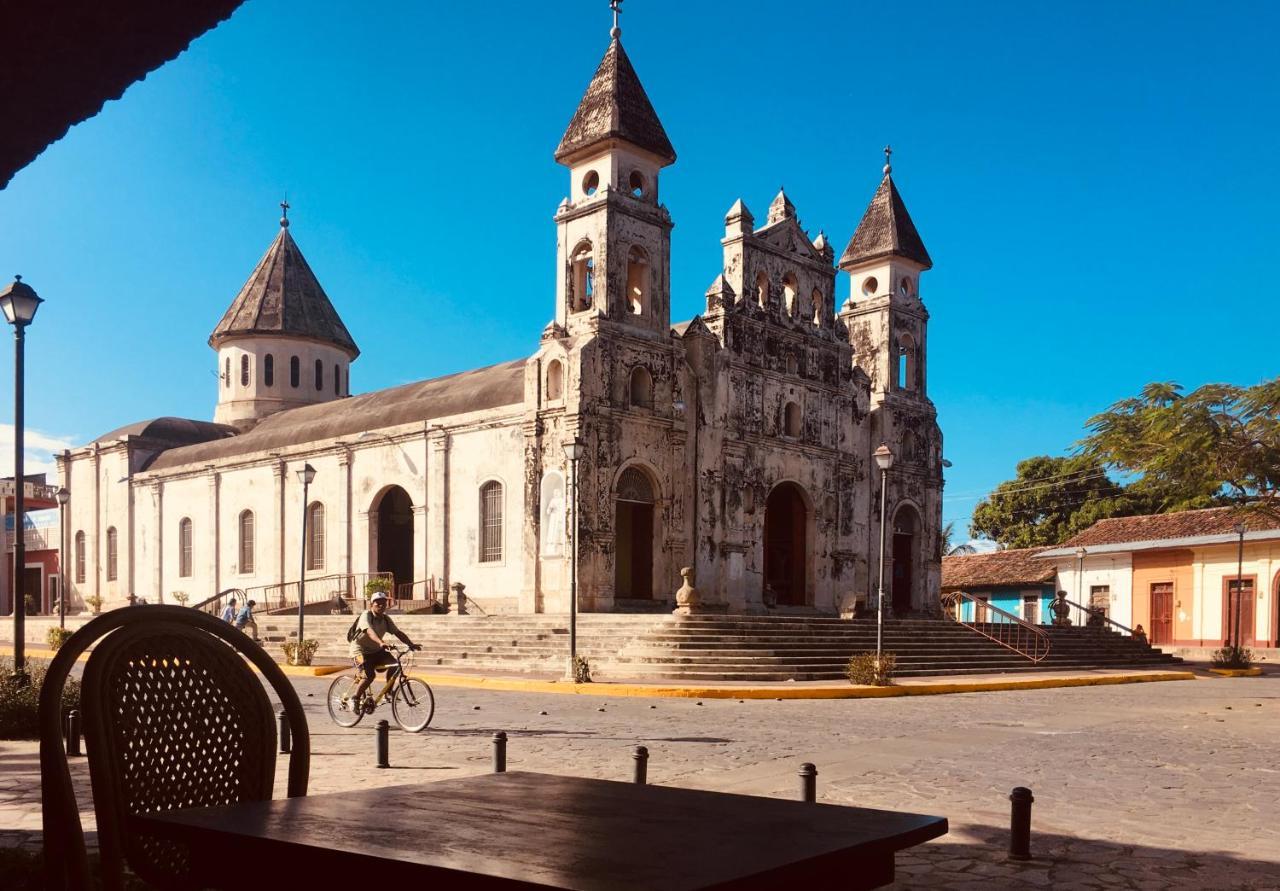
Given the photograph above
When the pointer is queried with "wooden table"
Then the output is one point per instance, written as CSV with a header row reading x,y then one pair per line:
x,y
509,830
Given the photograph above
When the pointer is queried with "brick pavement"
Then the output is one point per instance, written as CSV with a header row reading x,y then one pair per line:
x,y
1142,787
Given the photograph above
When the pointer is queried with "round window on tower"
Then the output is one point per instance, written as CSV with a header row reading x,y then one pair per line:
x,y
637,183
590,183
904,287
870,285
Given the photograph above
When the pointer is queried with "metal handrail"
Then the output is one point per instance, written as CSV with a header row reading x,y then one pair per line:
x,y
1097,613
213,605
1013,633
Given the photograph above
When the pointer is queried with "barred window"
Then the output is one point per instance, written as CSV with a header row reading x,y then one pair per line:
x,y
315,536
184,547
246,541
295,372
491,522
269,371
244,369
79,558
226,372
112,554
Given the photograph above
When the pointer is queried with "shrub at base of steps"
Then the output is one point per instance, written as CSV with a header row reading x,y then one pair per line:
x,y
871,670
1232,657
300,654
581,670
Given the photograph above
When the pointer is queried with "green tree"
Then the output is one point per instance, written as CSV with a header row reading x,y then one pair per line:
x,y
1218,444
1050,500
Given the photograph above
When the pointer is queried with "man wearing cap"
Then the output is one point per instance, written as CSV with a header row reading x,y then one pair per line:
x,y
368,646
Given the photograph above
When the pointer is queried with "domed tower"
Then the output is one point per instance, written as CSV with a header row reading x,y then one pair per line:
x,y
281,343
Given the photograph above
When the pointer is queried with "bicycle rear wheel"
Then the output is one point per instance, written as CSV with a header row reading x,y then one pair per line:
x,y
413,705
344,713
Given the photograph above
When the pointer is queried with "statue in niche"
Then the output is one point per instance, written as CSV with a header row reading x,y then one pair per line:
x,y
552,515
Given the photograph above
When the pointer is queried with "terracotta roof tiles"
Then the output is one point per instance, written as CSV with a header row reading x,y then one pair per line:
x,y
1157,527
998,569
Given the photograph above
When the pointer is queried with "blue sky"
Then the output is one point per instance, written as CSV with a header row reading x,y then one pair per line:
x,y
1097,184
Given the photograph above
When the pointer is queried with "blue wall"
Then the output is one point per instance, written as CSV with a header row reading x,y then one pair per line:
x,y
1009,600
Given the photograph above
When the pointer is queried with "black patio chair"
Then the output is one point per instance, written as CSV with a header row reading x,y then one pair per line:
x,y
173,717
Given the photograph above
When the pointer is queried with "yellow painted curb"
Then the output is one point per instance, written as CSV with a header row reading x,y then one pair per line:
x,y
1237,672
310,671
782,691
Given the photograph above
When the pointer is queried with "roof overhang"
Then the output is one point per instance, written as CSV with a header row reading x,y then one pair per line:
x,y
1162,544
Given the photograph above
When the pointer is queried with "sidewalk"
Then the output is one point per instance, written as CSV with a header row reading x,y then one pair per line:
x,y
543,683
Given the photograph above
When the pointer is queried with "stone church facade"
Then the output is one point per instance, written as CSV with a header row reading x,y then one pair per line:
x,y
739,443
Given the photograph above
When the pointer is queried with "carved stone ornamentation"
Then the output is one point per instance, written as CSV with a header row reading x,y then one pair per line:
x,y
1060,609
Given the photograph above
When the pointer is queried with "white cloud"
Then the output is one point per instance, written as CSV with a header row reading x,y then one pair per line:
x,y
38,453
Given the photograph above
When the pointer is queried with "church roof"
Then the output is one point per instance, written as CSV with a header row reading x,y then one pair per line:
x,y
886,230
283,297
468,391
615,106
173,431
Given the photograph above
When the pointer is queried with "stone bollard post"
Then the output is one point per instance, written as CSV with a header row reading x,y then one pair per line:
x,y
641,756
459,606
808,783
1020,824
500,752
73,732
383,735
286,744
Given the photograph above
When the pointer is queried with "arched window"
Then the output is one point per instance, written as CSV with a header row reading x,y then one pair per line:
x,y
319,375
337,379
269,370
641,387
634,485
491,522
816,302
762,290
315,536
295,372
583,277
244,369
79,558
637,281
184,547
791,420
555,379
226,372
907,372
789,291
910,447
246,541
113,554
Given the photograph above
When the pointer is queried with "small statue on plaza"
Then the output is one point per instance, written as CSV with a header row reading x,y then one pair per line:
x,y
1060,609
687,598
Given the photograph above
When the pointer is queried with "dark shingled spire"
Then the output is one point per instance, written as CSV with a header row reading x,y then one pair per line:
x,y
283,298
886,230
615,106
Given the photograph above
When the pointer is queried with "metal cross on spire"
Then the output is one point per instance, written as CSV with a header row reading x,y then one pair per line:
x,y
616,5
888,168
284,214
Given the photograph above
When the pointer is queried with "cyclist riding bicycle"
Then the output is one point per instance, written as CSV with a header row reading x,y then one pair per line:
x,y
368,645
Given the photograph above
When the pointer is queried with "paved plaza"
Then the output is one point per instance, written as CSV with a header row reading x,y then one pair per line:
x,y
1145,786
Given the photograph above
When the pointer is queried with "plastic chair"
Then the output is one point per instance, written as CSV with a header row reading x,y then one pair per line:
x,y
173,718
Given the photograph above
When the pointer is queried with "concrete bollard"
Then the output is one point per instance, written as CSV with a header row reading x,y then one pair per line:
x,y
500,752
383,735
1020,824
808,783
286,745
73,732
641,756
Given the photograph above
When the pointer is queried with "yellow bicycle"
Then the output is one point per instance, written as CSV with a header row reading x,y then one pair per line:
x,y
412,702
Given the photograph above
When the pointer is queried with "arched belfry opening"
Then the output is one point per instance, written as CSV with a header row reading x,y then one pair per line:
x,y
786,546
906,559
392,537
633,565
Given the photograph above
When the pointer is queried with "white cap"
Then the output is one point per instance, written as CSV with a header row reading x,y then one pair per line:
x,y
378,595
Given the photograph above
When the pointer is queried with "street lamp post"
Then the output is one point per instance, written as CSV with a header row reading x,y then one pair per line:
x,y
1240,530
305,476
63,497
1080,555
573,451
884,460
19,303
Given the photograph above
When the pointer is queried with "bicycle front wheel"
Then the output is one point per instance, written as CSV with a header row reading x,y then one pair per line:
x,y
413,705
342,711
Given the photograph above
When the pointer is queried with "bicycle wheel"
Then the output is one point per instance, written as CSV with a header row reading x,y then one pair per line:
x,y
343,712
413,705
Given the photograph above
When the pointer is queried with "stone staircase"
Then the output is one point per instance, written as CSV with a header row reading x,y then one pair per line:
x,y
716,648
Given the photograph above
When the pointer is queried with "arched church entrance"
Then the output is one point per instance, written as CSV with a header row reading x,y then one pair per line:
x,y
393,541
906,552
633,565
786,546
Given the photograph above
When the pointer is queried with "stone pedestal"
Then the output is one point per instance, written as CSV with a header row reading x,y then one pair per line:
x,y
459,605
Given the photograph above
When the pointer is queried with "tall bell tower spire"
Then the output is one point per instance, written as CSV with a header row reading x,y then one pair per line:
x,y
613,237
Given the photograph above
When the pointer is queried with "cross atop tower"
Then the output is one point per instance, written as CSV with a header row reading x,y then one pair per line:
x,y
284,214
888,150
616,5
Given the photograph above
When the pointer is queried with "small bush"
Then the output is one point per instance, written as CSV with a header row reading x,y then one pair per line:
x,y
867,669
1232,657
300,655
581,670
379,583
18,702
57,637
